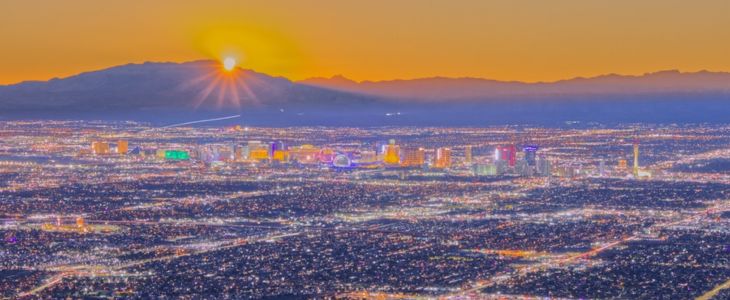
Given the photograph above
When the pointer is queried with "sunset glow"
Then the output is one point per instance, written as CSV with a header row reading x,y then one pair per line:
x,y
383,149
372,40
229,63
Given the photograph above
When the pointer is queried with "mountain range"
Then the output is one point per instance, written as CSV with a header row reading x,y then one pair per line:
x,y
440,88
168,92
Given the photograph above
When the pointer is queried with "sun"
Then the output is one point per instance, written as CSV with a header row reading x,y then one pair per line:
x,y
229,63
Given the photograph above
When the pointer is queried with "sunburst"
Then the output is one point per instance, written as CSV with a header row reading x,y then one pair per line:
x,y
225,84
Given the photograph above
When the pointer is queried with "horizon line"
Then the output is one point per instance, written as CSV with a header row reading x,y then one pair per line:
x,y
578,77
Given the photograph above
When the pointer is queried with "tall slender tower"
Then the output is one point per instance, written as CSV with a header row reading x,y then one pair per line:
x,y
467,154
636,158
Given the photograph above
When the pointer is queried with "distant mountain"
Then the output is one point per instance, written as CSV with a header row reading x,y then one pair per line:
x,y
170,92
440,89
199,86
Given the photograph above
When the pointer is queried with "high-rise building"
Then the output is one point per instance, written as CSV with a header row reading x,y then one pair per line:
x,y
122,147
392,153
413,157
521,168
225,153
468,159
530,154
280,156
100,148
256,150
636,159
443,158
506,153
501,167
276,146
543,167
237,152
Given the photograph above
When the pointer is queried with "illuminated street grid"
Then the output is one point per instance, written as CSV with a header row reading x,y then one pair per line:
x,y
117,210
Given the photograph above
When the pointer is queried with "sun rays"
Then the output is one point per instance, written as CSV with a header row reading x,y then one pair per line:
x,y
224,86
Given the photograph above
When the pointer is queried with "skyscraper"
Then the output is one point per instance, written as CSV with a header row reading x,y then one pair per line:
x,y
543,167
636,158
276,146
507,153
122,147
467,155
530,154
443,158
100,148
280,155
392,153
413,157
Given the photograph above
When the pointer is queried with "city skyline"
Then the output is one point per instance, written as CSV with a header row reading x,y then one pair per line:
x,y
385,149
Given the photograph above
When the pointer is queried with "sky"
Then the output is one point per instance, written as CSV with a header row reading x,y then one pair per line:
x,y
525,40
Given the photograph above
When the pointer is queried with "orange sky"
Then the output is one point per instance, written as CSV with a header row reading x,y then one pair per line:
x,y
524,40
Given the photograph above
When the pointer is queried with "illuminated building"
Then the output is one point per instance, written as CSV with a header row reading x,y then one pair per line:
x,y
501,167
522,168
305,154
205,154
443,158
80,227
566,171
80,223
530,154
257,151
276,146
237,152
326,155
122,147
484,170
413,157
176,155
100,148
245,152
259,154
512,155
392,153
342,161
225,153
622,164
506,153
543,167
280,155
636,159
368,157
160,153
468,154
